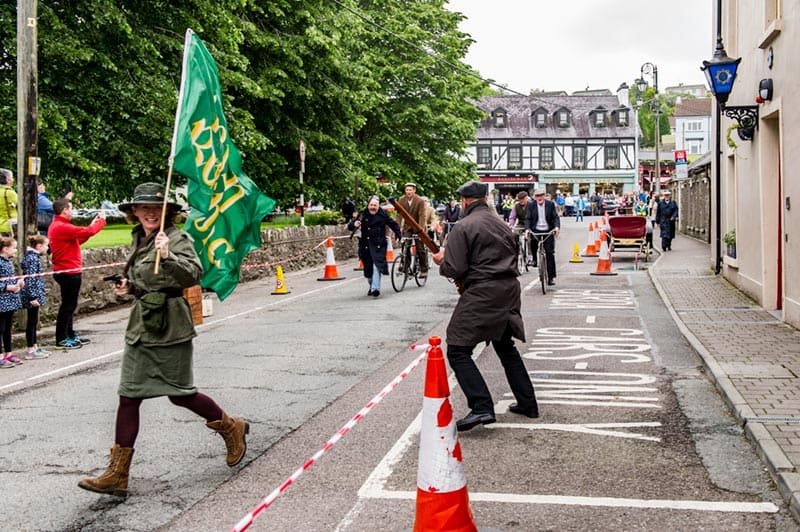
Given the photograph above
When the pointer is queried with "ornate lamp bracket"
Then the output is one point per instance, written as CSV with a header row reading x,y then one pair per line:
x,y
747,118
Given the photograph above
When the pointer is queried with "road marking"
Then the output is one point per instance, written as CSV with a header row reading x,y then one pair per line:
x,y
609,502
590,319
96,359
581,365
596,429
572,298
375,488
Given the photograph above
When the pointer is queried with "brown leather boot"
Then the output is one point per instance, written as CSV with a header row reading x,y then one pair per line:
x,y
232,431
114,481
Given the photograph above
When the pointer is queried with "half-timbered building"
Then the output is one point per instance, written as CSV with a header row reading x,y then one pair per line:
x,y
575,144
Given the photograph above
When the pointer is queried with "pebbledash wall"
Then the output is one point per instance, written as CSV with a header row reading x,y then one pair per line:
x,y
292,247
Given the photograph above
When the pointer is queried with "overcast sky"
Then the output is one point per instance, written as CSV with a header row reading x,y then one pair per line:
x,y
573,44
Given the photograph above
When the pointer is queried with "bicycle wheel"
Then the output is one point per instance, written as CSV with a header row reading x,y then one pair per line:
x,y
399,275
542,267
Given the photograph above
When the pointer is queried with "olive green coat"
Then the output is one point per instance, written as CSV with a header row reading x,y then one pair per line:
x,y
158,352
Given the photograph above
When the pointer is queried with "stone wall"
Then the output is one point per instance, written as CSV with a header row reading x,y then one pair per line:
x,y
694,204
294,248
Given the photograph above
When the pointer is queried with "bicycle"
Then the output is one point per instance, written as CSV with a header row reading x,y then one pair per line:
x,y
542,257
523,252
406,264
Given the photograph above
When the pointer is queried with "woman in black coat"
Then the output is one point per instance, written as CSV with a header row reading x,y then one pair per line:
x,y
372,244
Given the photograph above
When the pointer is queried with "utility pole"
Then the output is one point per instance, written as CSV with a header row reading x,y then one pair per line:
x,y
28,162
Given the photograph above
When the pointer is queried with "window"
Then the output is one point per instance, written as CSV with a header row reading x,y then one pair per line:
x,y
599,119
612,157
622,118
499,116
694,125
484,156
546,158
514,157
540,119
579,157
562,118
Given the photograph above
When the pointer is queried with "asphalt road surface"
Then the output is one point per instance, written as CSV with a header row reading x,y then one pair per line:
x,y
632,435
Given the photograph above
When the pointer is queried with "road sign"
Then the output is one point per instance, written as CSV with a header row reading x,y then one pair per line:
x,y
302,151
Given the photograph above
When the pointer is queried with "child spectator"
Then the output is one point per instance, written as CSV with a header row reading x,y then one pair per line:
x,y
33,295
9,299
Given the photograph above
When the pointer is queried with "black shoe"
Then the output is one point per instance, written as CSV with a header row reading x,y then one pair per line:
x,y
371,292
533,264
423,275
474,419
516,409
551,282
376,293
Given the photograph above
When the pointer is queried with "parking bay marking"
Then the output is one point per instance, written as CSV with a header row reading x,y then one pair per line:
x,y
375,488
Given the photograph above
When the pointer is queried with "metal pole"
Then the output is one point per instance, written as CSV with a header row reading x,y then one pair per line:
x,y
717,194
658,132
27,128
717,159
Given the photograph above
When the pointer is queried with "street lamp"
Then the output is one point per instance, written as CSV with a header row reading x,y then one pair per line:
x,y
720,74
652,70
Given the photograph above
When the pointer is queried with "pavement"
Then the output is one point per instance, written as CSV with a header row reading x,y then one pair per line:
x,y
752,357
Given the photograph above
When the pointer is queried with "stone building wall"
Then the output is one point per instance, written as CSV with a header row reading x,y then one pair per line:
x,y
694,204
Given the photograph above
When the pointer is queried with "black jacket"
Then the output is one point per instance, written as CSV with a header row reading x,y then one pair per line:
x,y
550,214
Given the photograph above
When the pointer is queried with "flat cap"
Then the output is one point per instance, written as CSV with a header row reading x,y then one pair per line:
x,y
522,195
666,192
473,189
409,184
539,191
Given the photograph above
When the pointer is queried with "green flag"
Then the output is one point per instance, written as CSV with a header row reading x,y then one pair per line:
x,y
227,207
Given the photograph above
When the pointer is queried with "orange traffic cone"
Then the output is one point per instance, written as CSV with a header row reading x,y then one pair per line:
x,y
360,267
604,262
576,249
331,273
280,283
597,236
389,250
442,498
591,249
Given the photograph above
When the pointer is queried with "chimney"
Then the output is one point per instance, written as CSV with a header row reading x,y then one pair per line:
x,y
622,95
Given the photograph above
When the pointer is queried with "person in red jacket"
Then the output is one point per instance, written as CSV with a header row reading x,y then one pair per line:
x,y
65,245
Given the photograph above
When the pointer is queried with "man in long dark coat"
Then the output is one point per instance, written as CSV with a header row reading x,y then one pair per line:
x,y
481,256
666,215
372,245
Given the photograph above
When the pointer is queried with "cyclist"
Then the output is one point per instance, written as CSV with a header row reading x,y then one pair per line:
x,y
542,217
516,220
417,208
451,215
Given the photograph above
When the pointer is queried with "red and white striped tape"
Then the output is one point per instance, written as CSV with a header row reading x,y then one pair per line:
x,y
247,520
111,265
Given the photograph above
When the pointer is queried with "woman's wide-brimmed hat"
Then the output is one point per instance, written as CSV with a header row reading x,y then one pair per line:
x,y
148,194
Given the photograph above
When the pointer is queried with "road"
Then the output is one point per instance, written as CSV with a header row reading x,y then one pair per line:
x,y
632,435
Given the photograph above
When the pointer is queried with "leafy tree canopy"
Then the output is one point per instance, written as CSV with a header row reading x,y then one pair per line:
x,y
376,88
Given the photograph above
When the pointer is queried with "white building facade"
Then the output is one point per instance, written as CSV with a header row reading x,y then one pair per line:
x,y
575,144
759,182
693,126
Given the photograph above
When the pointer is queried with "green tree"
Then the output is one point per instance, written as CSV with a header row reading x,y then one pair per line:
x,y
376,89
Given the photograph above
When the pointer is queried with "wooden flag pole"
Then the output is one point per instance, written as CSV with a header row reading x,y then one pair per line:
x,y
164,211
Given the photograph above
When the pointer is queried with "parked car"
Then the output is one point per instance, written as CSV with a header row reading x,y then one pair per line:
x,y
610,205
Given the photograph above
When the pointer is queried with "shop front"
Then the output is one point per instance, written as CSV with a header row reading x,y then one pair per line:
x,y
588,182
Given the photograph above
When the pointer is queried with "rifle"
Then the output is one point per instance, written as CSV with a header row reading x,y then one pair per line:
x,y
421,233
358,219
415,227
